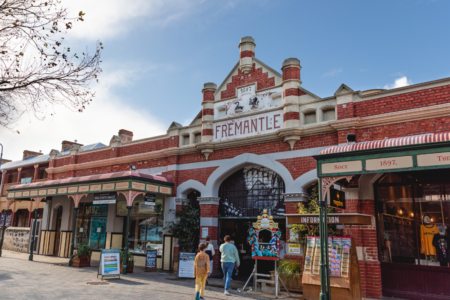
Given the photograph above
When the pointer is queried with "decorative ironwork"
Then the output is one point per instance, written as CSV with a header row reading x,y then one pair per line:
x,y
327,182
249,191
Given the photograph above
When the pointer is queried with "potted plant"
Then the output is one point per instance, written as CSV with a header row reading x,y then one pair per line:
x,y
175,265
83,256
130,261
290,273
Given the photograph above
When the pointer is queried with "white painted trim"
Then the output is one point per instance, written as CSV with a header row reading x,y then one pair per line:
x,y
304,181
186,187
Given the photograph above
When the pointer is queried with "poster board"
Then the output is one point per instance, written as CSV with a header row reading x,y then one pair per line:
x,y
109,263
150,260
186,264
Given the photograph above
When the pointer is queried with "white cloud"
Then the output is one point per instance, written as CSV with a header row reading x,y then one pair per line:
x,y
333,72
399,82
111,18
107,114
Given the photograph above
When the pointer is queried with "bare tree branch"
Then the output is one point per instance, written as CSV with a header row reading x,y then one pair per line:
x,y
35,69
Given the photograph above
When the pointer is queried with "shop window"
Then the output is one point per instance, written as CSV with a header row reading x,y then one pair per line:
x,y
329,114
413,218
249,191
310,117
21,218
146,225
198,138
91,225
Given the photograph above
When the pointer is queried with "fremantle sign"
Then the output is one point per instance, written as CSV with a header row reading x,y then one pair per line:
x,y
248,126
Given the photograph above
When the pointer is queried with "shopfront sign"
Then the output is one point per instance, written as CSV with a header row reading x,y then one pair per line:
x,y
433,159
248,126
389,163
337,198
186,265
110,262
105,198
150,259
342,167
26,180
150,199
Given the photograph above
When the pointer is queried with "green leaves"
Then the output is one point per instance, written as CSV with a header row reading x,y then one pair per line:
x,y
187,229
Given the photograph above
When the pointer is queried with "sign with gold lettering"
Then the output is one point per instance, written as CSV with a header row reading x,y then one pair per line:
x,y
389,163
337,198
342,167
433,159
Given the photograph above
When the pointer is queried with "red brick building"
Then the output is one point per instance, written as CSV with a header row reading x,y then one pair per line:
x,y
250,148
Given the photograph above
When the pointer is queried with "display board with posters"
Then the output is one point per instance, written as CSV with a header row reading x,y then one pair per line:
x,y
186,265
109,263
150,260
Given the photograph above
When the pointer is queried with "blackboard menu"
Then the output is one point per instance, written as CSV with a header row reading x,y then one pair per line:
x,y
150,260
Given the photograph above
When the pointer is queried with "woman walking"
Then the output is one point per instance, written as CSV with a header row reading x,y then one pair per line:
x,y
229,258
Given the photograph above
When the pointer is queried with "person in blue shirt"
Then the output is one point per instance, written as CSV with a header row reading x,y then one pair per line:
x,y
229,258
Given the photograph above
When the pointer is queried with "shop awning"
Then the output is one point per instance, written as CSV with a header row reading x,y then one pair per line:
x,y
110,182
421,152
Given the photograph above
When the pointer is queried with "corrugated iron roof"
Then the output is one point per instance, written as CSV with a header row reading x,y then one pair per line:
x,y
402,141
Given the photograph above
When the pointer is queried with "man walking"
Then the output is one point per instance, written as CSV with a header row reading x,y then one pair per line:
x,y
229,258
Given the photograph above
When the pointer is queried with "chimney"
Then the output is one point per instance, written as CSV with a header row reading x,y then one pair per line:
x,y
68,145
246,54
126,135
28,153
4,161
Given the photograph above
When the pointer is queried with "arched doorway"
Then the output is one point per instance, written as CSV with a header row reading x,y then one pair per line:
x,y
243,197
58,230
192,196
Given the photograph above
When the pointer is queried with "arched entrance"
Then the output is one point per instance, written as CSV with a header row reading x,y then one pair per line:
x,y
243,197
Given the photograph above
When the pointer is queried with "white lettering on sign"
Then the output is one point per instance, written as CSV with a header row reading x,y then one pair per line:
x,y
248,126
340,167
389,163
433,159
315,220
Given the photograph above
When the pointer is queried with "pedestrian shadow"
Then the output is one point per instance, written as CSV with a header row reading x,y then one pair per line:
x,y
4,277
124,281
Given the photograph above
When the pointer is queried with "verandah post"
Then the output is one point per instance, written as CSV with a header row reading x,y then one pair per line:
x,y
125,254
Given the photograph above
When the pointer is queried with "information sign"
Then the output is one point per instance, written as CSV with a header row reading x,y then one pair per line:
x,y
110,262
150,259
150,199
105,198
186,265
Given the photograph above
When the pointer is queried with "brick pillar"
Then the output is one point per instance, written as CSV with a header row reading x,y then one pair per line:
x,y
292,202
36,172
209,218
365,238
19,175
209,89
246,53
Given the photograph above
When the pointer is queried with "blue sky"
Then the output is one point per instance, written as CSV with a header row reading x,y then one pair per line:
x,y
158,54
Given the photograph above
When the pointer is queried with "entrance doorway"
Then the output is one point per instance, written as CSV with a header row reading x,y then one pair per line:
x,y
58,231
36,230
237,229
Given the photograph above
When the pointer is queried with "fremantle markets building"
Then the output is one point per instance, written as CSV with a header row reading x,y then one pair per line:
x,y
250,148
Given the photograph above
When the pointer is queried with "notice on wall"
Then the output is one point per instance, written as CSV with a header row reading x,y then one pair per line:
x,y
110,262
204,232
294,249
105,198
293,237
150,259
186,265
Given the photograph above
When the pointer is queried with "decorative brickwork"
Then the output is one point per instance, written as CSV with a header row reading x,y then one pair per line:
x,y
291,73
207,132
208,111
299,165
417,99
208,96
255,75
291,116
345,111
247,54
293,92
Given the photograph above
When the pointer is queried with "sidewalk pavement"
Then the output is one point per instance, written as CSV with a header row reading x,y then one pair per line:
x,y
50,278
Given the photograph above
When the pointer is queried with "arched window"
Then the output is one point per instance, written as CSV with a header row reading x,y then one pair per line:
x,y
250,190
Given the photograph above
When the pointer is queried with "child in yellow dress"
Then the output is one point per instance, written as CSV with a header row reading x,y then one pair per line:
x,y
201,271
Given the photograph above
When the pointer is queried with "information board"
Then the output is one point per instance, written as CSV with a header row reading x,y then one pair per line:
x,y
186,265
110,262
150,260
